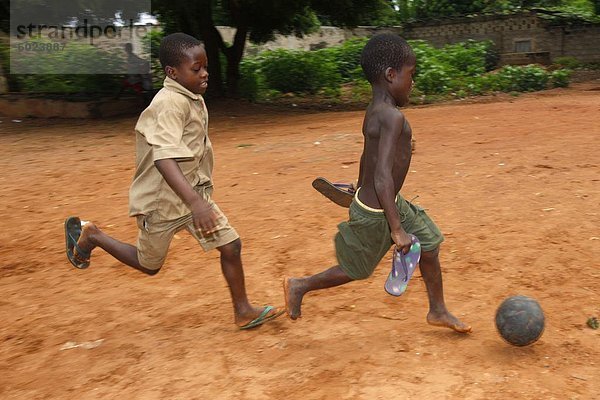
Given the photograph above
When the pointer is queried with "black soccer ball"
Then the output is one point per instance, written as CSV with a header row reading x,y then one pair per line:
x,y
520,320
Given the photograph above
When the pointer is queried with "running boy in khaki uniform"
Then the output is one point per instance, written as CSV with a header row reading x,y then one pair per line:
x,y
379,216
172,186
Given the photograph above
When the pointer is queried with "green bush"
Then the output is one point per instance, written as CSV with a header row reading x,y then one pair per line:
x,y
492,56
523,79
361,90
567,62
251,82
460,70
454,67
433,80
151,43
560,77
433,71
491,82
300,71
466,58
70,84
347,58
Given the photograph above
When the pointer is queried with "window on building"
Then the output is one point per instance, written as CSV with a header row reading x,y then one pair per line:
x,y
523,46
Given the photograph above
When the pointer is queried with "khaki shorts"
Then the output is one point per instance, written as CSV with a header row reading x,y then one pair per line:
x,y
155,234
365,239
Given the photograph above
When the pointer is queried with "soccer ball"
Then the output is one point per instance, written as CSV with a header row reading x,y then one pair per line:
x,y
520,320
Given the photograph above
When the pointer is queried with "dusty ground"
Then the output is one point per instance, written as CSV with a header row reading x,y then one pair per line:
x,y
513,184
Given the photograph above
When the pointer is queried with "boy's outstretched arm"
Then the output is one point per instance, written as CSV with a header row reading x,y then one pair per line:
x,y
392,123
202,213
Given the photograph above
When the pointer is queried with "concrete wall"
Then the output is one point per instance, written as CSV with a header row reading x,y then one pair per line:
x,y
547,42
503,30
326,36
581,42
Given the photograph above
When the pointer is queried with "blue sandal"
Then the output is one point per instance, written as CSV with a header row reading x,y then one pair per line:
x,y
403,267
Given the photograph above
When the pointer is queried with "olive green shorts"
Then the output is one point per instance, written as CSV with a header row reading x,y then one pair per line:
x,y
155,235
363,241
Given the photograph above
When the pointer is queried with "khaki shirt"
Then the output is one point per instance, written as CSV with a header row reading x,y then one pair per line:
x,y
175,125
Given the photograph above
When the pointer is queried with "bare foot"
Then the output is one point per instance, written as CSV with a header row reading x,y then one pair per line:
x,y
447,320
293,298
254,316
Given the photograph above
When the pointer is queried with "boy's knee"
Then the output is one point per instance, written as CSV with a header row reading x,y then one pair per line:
x,y
150,272
360,276
151,250
232,249
150,266
357,273
431,254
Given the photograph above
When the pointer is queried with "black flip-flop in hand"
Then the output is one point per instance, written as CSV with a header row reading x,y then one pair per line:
x,y
78,257
340,193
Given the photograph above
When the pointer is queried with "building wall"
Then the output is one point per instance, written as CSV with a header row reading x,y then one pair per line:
x,y
326,36
503,30
581,42
547,42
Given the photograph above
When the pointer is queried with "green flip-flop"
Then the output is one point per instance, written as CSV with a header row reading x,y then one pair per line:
x,y
262,318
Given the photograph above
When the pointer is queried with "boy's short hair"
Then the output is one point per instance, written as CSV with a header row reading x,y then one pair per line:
x,y
383,51
173,46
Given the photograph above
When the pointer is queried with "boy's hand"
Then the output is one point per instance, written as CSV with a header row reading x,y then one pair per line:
x,y
402,239
203,216
353,186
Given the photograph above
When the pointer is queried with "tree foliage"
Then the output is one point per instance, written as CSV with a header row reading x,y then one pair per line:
x,y
425,9
257,20
434,9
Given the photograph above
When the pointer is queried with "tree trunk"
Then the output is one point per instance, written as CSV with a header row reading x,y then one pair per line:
x,y
234,56
196,19
212,43
212,39
235,52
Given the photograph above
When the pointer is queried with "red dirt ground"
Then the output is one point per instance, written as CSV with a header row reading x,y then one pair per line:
x,y
513,184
